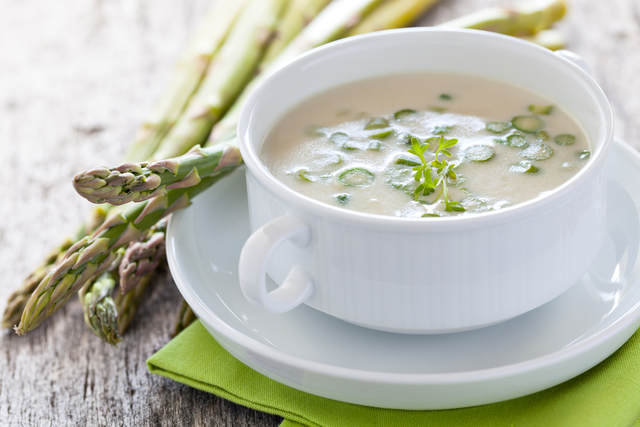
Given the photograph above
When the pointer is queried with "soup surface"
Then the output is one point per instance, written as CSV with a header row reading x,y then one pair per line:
x,y
425,145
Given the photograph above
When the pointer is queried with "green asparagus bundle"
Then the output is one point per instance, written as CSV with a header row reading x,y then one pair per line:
x,y
93,255
185,81
142,257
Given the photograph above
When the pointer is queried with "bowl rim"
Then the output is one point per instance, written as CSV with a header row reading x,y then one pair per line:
x,y
307,204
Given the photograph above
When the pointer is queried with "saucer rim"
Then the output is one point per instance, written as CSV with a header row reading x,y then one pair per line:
x,y
627,320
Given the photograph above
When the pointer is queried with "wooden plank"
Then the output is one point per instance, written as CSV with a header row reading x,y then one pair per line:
x,y
76,79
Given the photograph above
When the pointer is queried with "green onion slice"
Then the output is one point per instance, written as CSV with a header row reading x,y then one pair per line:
x,y
537,152
528,124
356,177
478,153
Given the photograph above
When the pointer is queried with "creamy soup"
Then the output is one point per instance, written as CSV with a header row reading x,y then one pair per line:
x,y
425,145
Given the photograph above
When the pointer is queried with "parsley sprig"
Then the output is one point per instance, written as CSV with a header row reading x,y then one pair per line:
x,y
443,170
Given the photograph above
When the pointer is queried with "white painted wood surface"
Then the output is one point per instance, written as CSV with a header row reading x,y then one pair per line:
x,y
76,79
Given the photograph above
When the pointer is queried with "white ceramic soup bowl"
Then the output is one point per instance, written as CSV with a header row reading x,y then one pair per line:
x,y
416,275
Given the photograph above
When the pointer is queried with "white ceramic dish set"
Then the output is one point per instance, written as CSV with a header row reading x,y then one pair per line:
x,y
371,270
348,264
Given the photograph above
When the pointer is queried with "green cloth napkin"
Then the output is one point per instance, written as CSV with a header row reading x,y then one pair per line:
x,y
606,396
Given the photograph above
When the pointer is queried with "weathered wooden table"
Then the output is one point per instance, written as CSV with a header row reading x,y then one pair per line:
x,y
76,79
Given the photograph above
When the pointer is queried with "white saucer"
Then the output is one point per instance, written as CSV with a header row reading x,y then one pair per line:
x,y
318,354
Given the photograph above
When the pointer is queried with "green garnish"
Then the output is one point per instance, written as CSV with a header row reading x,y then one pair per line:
x,y
524,167
356,177
565,139
540,109
332,159
517,140
583,155
443,170
438,110
478,153
427,215
441,130
407,162
542,135
374,145
342,198
498,127
343,141
446,97
537,152
377,123
303,175
403,114
528,124
384,134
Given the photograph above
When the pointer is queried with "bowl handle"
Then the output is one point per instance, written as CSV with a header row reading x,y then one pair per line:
x,y
254,258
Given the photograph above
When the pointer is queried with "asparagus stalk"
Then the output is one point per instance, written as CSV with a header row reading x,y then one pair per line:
x,y
522,21
137,182
329,25
234,66
108,316
297,16
92,256
142,257
100,313
189,72
186,316
392,14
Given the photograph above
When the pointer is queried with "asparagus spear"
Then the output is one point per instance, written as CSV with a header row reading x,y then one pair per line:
x,y
108,316
522,21
142,257
186,316
92,256
329,25
234,66
137,182
100,312
189,72
297,16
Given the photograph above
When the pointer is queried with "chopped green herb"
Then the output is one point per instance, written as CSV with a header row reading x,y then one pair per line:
x,y
478,153
583,155
565,139
542,135
537,152
377,123
407,162
446,97
403,114
540,109
498,127
332,159
304,175
342,198
339,138
441,130
429,215
524,167
528,124
438,110
384,134
356,177
517,140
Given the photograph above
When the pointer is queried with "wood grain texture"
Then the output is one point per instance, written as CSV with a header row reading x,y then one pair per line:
x,y
76,79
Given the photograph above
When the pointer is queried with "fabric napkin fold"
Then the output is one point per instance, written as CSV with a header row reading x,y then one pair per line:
x,y
608,395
